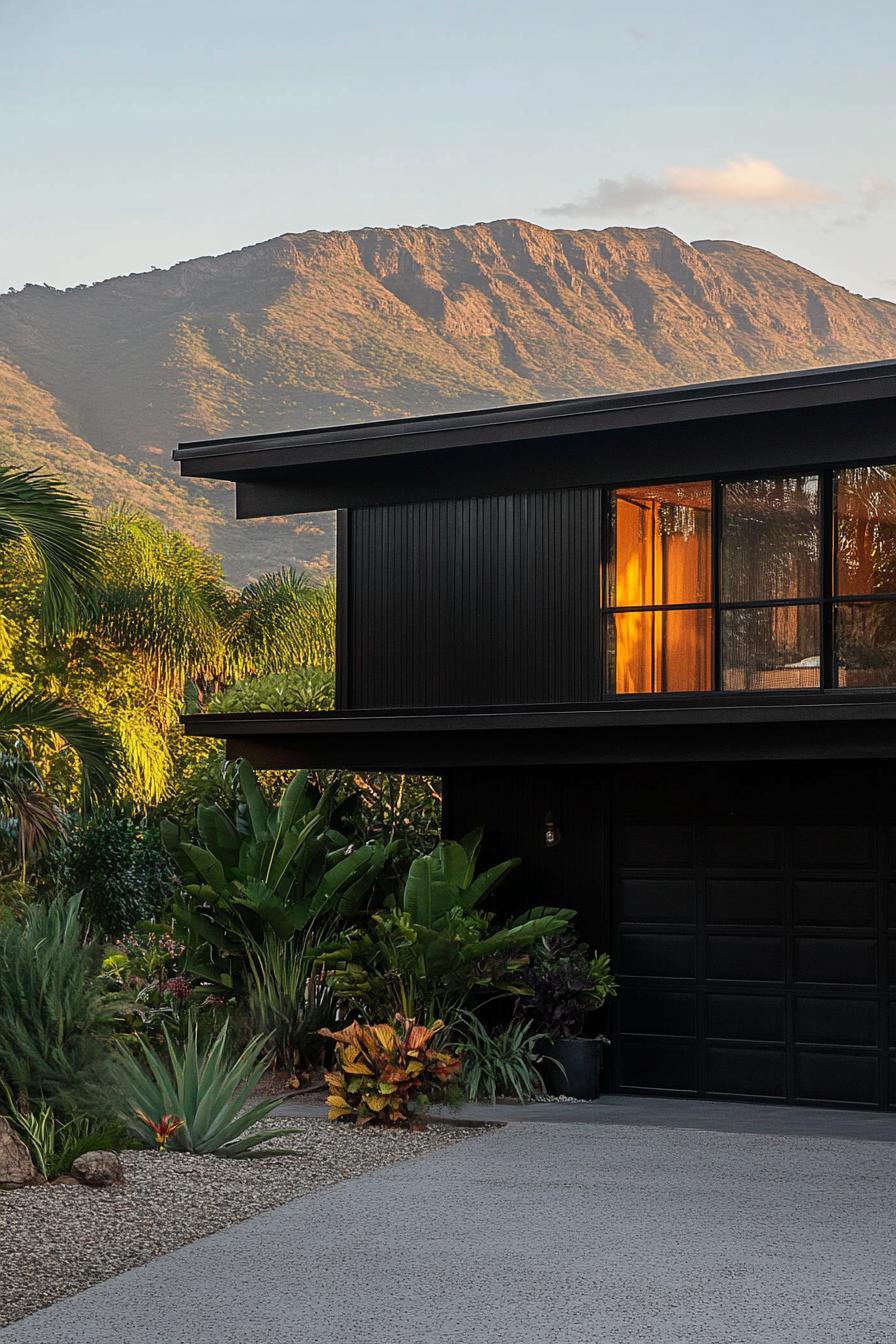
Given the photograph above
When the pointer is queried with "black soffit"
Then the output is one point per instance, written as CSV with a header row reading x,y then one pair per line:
x,y
247,457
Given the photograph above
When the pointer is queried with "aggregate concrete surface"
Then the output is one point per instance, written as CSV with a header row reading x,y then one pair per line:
x,y
560,1233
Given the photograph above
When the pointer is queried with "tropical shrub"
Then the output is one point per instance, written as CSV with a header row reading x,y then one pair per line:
x,y
270,868
207,1087
438,951
565,984
120,869
301,688
386,1073
155,990
56,1016
289,1000
499,1063
54,1144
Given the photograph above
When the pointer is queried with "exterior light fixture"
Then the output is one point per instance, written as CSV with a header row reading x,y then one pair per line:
x,y
552,836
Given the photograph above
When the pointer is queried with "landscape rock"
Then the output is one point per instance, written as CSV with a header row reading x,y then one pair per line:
x,y
98,1169
16,1167
66,1179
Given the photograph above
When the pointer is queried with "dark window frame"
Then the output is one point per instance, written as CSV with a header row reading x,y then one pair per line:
x,y
826,602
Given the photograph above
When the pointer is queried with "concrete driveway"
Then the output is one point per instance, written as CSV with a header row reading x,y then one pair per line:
x,y
564,1232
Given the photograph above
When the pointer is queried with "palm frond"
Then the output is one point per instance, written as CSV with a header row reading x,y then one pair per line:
x,y
58,528
33,711
282,621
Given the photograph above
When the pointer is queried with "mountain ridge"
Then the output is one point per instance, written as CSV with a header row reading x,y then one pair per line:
x,y
321,328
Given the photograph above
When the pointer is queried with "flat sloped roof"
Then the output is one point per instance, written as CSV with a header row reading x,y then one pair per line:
x,y
245,456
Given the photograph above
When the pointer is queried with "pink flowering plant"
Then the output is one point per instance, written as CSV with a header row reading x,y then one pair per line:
x,y
147,964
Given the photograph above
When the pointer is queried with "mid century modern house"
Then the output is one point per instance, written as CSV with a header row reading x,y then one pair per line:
x,y
649,642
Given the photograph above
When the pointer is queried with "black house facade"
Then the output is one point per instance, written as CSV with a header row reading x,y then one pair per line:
x,y
649,642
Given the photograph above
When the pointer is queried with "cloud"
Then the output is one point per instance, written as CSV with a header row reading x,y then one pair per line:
x,y
876,192
745,180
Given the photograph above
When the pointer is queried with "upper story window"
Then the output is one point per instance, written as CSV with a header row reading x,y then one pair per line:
x,y
660,588
771,583
865,568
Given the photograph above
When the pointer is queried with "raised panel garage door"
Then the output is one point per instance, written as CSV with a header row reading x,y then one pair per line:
x,y
754,913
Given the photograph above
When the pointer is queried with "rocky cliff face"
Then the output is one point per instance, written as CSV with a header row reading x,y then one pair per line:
x,y
100,382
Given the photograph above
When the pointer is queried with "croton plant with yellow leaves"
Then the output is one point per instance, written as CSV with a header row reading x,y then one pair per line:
x,y
387,1072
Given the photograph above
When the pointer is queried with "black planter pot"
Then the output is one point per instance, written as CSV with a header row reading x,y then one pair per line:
x,y
581,1061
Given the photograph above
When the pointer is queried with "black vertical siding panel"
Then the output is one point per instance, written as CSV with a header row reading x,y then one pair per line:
x,y
486,601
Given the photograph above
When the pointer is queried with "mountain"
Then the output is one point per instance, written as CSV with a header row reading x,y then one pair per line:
x,y
99,382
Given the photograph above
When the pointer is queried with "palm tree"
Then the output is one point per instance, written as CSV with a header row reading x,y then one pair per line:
x,y
57,530
61,536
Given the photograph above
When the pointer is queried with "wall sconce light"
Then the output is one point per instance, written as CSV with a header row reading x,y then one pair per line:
x,y
552,836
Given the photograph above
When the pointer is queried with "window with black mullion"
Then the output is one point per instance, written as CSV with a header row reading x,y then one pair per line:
x,y
864,576
770,583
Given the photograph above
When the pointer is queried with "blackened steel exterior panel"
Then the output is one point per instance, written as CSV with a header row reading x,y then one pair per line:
x,y
473,602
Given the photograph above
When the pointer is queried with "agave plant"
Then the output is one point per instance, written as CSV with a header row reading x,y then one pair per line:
x,y
276,869
386,1072
207,1088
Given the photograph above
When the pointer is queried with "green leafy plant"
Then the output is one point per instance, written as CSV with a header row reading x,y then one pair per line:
x,y
387,1072
206,1087
500,1063
270,868
565,984
54,1144
56,1016
289,1000
120,869
301,688
439,951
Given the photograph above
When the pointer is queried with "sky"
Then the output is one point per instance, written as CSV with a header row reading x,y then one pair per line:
x,y
135,135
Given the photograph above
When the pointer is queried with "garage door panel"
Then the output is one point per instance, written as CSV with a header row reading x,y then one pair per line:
x,y
836,1021
658,900
657,846
843,904
744,957
833,846
835,961
658,1063
746,1072
835,1077
744,846
749,1017
744,901
658,1012
659,955
755,935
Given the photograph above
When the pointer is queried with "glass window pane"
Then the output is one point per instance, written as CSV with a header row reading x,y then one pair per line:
x,y
770,649
770,539
866,530
651,651
865,636
661,545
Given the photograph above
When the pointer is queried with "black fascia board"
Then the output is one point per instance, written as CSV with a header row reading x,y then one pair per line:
x,y
250,458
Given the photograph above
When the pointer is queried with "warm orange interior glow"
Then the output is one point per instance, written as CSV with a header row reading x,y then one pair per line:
x,y
662,539
866,530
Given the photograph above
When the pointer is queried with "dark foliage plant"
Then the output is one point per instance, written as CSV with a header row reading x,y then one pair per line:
x,y
120,869
565,983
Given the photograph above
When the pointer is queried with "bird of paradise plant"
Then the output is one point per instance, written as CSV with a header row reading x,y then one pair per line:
x,y
387,1072
163,1129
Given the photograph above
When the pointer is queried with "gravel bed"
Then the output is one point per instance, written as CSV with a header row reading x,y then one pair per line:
x,y
58,1240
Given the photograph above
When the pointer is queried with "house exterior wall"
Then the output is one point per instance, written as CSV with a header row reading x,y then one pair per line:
x,y
486,601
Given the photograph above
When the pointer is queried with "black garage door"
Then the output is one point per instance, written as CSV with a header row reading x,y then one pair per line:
x,y
755,932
